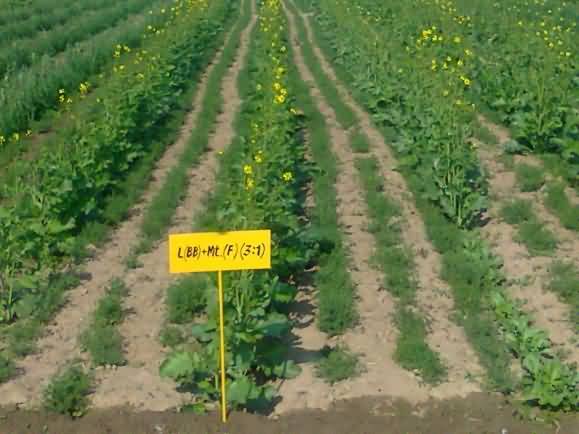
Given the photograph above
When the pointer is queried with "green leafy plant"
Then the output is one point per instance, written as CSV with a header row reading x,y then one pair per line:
x,y
102,339
337,364
186,298
68,392
558,202
529,178
538,239
7,368
564,282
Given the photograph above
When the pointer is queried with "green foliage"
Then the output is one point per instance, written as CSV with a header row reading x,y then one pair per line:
x,y
412,351
358,36
531,232
80,21
564,282
34,90
171,336
255,303
397,264
7,368
158,215
548,381
359,143
186,298
105,345
337,364
529,178
557,201
336,293
35,308
102,339
68,187
517,212
68,392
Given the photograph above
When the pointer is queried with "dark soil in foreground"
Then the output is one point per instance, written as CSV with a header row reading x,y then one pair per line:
x,y
477,414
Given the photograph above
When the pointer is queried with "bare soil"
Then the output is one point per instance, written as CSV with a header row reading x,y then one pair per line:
x,y
480,414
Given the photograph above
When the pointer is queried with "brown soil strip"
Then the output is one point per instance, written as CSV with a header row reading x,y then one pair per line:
x,y
530,275
59,344
139,384
434,297
479,413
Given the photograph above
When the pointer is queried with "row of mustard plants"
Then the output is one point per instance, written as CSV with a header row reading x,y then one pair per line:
x,y
262,187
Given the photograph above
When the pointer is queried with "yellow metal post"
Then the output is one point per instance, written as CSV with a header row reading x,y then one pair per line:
x,y
222,347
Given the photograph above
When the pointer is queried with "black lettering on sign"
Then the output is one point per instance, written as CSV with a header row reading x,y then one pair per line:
x,y
213,251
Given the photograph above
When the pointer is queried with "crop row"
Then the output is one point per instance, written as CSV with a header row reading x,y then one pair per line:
x,y
415,77
67,188
264,177
33,17
28,94
24,52
522,65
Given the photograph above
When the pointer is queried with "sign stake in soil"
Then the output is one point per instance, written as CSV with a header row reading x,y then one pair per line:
x,y
220,251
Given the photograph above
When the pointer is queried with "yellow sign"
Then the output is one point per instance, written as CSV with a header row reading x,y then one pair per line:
x,y
219,251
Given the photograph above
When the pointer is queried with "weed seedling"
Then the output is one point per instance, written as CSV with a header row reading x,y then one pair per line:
x,y
558,202
359,143
7,368
171,336
529,178
186,298
337,364
68,392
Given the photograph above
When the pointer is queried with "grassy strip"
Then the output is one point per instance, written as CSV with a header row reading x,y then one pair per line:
x,y
68,392
344,114
102,339
158,216
559,204
529,178
18,339
467,276
396,262
337,364
530,231
336,294
565,283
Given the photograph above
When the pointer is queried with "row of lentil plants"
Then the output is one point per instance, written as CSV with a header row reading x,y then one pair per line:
x,y
262,187
414,74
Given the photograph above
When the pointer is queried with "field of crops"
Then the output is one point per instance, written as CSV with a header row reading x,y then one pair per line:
x,y
417,164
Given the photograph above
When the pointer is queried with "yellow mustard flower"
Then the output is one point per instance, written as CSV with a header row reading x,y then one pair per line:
x,y
247,169
287,176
